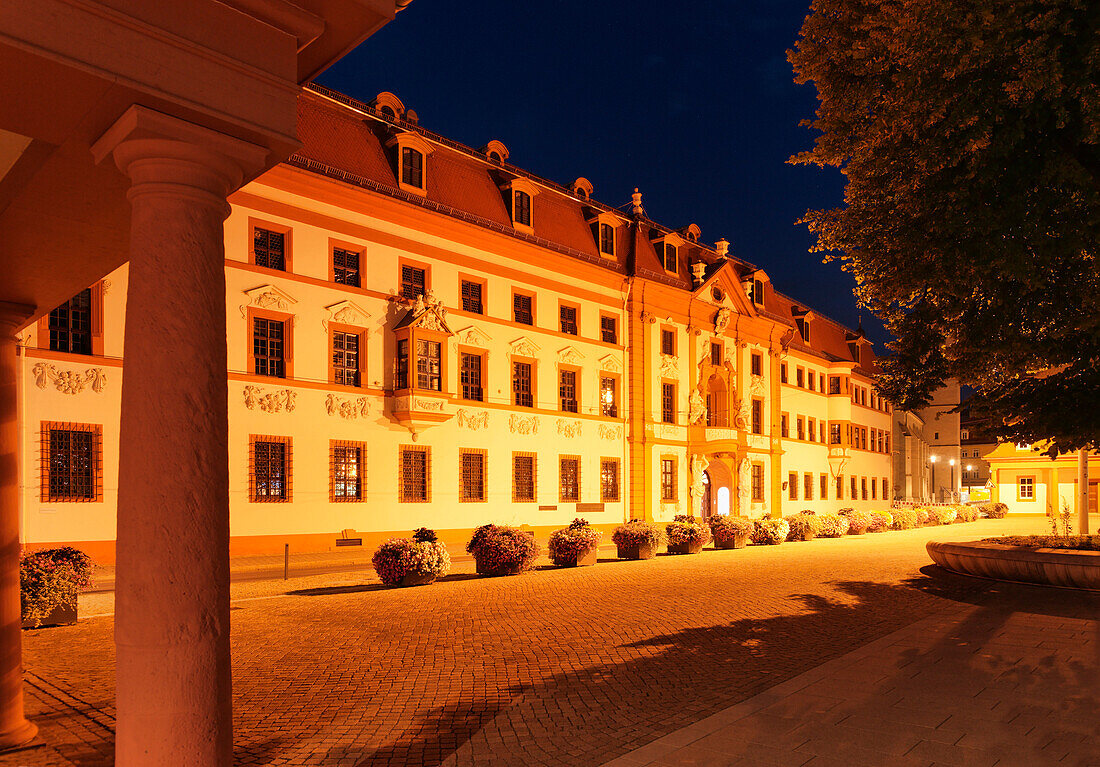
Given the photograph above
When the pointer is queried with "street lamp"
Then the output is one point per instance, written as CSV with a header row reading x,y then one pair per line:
x,y
952,462
968,468
932,458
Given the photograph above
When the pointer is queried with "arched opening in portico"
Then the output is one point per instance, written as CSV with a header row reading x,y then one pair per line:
x,y
717,497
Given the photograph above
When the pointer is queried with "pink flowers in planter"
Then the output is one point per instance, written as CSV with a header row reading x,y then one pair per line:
x,y
412,561
50,579
730,532
574,545
686,534
502,550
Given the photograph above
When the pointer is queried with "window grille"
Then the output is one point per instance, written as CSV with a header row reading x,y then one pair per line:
x,y
345,358
345,267
347,472
609,331
757,417
270,470
471,297
521,309
269,248
854,488
414,477
268,349
71,324
608,397
834,385
413,281
670,257
472,475
570,480
840,487
800,378
567,390
522,392
470,374
401,375
668,403
412,168
609,480
568,319
758,482
72,458
523,477
668,479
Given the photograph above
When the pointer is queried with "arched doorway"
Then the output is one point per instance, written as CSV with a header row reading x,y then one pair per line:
x,y
718,490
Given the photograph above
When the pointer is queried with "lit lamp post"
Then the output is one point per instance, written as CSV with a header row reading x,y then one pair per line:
x,y
952,462
932,458
968,468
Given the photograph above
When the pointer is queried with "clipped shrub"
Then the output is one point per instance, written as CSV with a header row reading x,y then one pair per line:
x,y
638,533
943,515
858,522
966,513
422,558
995,510
51,578
686,530
802,526
502,550
729,531
924,516
770,532
832,526
574,542
845,512
905,519
881,521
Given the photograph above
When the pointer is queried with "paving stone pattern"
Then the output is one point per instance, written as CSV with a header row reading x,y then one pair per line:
x,y
579,667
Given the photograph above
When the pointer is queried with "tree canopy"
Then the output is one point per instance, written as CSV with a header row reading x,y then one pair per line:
x,y
969,135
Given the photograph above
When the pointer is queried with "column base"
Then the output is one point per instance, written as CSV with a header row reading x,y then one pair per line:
x,y
19,736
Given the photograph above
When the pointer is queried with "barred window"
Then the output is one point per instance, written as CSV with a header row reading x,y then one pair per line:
x,y
668,479
609,480
269,248
270,470
72,457
412,167
808,487
471,297
609,330
401,375
413,281
414,479
347,472
567,390
521,208
522,309
607,239
757,364
715,354
569,481
758,482
71,324
792,486
668,403
268,348
345,267
345,358
668,342
834,385
757,416
522,393
470,374
471,475
608,397
523,477
428,366
568,319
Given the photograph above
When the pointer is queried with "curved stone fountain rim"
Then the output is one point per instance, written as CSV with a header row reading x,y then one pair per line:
x,y
1065,568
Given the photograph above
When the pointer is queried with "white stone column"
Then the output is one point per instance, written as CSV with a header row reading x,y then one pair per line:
x,y
15,730
172,594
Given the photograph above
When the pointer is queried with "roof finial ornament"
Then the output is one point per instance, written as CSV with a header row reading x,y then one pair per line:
x,y
636,198
722,248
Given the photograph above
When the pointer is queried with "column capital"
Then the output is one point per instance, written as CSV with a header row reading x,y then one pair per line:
x,y
158,151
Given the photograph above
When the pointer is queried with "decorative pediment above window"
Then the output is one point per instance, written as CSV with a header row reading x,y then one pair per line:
x,y
268,297
428,314
474,336
611,363
524,347
570,356
345,313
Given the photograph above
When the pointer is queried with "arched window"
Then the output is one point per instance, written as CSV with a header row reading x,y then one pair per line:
x,y
521,208
387,111
412,167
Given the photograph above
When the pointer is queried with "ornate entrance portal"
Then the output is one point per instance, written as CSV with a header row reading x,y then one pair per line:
x,y
718,493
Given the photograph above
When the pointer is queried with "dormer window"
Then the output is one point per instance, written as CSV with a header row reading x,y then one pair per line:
x,y
668,257
411,152
691,232
758,292
388,105
607,239
521,208
519,195
803,328
667,247
603,226
582,187
387,111
495,151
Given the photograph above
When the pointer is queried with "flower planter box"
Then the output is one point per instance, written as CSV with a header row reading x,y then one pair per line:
x,y
584,559
62,615
685,548
736,542
416,579
484,568
637,551
807,535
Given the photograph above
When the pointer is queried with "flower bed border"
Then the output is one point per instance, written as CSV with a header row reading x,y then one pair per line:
x,y
1048,567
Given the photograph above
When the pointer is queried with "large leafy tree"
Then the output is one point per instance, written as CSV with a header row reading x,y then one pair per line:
x,y
969,135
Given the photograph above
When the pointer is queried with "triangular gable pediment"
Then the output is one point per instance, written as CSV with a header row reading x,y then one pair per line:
x,y
429,318
733,295
570,356
524,347
347,313
474,336
268,297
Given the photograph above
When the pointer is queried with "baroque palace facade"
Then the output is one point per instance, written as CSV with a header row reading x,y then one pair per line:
x,y
420,333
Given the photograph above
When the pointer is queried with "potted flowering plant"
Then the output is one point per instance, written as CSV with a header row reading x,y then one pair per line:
x,y
858,522
637,539
49,581
943,515
995,510
415,561
924,516
730,532
802,526
770,532
905,519
575,546
502,550
686,535
881,521
832,525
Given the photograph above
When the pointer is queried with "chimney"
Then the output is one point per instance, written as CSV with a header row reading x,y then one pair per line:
x,y
722,247
697,271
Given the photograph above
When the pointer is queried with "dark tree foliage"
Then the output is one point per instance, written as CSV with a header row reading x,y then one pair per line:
x,y
969,135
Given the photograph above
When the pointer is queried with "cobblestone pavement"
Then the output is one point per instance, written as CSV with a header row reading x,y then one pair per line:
x,y
555,667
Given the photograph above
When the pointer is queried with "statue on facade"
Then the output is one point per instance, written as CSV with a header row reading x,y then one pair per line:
x,y
698,483
722,320
697,407
744,489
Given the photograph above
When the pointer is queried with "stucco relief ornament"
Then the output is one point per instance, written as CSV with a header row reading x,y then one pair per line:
x,y
698,485
744,413
670,366
69,381
346,313
610,432
744,470
428,404
520,424
570,356
569,428
722,320
473,336
268,297
610,363
697,407
270,401
524,347
348,409
473,419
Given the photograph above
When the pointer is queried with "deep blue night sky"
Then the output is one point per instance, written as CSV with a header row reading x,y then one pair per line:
x,y
694,105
